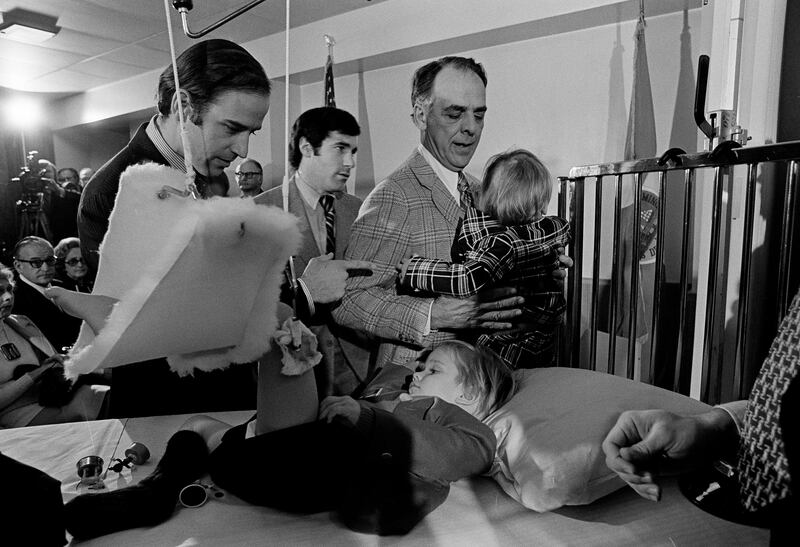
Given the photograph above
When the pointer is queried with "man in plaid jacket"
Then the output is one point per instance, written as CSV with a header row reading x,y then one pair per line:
x,y
416,211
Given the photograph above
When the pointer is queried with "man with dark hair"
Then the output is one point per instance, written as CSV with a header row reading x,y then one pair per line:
x,y
322,152
249,176
225,98
416,211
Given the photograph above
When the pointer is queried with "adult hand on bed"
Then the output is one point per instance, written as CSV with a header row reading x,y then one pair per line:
x,y
646,443
333,406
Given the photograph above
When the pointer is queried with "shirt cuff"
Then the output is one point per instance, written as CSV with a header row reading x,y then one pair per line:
x,y
736,411
311,310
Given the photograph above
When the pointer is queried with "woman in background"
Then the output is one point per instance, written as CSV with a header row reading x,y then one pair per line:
x,y
71,269
30,375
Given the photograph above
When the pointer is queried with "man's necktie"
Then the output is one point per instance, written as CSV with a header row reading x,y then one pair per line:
x,y
464,191
330,222
763,466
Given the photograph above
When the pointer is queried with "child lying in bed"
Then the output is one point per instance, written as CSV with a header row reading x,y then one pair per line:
x,y
381,463
506,241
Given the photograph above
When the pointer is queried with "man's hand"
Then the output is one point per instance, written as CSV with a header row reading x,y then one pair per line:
x,y
492,309
644,443
564,263
325,278
333,406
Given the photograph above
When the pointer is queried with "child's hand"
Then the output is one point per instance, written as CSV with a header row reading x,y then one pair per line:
x,y
333,406
402,267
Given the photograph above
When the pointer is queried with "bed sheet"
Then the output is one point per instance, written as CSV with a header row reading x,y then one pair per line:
x,y
477,512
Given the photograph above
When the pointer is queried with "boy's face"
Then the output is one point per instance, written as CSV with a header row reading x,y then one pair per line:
x,y
438,377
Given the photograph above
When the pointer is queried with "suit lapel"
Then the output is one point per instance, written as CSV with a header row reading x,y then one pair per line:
x,y
441,197
309,249
346,214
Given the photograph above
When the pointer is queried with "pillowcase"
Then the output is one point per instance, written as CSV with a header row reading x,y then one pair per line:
x,y
549,435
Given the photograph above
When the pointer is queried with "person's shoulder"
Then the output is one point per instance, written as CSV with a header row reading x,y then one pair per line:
x,y
24,323
351,200
273,196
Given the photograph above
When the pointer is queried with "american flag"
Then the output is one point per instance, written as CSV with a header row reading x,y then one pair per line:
x,y
330,98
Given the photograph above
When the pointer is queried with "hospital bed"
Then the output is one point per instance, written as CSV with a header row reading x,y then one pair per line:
x,y
477,512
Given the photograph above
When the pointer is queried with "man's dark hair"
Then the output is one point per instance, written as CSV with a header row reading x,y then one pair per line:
x,y
208,69
315,125
422,85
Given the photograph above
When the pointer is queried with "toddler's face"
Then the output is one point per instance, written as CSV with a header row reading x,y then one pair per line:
x,y
437,377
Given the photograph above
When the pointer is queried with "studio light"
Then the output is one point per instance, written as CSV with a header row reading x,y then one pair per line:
x,y
27,26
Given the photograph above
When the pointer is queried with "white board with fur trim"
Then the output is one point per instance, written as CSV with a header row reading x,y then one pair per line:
x,y
197,280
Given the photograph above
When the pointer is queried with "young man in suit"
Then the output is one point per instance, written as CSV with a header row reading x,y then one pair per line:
x,y
416,211
322,152
224,97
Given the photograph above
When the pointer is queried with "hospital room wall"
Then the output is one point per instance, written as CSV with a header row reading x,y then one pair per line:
x,y
564,96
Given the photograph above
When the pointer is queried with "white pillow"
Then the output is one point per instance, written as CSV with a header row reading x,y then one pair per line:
x,y
549,434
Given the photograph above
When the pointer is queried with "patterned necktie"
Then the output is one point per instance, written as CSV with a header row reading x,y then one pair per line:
x,y
330,222
763,466
464,191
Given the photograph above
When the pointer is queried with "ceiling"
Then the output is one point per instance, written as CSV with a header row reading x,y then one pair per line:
x,y
104,41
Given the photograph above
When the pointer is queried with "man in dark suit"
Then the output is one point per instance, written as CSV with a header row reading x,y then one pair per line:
x,y
225,96
322,152
35,262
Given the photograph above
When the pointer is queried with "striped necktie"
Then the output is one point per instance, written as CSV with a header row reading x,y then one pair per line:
x,y
326,201
763,466
464,191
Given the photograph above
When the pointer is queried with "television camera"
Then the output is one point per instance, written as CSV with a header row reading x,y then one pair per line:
x,y
32,182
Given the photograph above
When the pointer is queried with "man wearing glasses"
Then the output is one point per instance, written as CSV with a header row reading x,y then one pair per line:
x,y
34,261
249,177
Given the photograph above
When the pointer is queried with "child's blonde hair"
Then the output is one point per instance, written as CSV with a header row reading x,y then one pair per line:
x,y
516,187
482,373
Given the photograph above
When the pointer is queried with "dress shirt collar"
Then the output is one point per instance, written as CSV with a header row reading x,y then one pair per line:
x,y
310,194
174,159
39,288
448,177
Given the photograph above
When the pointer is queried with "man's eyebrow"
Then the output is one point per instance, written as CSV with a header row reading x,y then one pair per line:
x,y
240,126
346,145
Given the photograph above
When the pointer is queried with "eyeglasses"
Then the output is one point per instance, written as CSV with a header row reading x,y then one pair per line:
x,y
75,261
37,263
247,174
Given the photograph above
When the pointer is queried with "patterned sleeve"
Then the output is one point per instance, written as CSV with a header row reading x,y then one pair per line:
x,y
493,258
381,234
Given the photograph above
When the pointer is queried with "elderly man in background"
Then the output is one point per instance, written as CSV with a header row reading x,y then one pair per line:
x,y
249,176
416,210
35,261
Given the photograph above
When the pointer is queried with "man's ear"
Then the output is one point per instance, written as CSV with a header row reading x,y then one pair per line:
x,y
189,111
305,147
420,116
